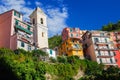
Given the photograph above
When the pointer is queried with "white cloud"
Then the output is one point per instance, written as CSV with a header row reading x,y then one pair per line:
x,y
19,5
56,16
56,20
38,3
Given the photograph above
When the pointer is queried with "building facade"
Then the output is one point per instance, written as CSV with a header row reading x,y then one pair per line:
x,y
115,38
72,33
15,33
39,20
50,52
98,47
71,47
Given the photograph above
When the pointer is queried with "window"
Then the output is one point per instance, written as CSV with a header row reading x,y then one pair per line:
x,y
33,21
50,51
96,40
76,29
101,34
41,20
42,34
29,47
70,29
106,40
100,60
76,46
109,53
76,35
28,27
16,14
99,53
22,44
111,60
71,35
16,22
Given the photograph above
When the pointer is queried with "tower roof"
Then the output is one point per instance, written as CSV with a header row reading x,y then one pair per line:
x,y
38,9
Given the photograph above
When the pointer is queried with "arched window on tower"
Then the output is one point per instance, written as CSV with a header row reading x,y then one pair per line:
x,y
33,21
41,20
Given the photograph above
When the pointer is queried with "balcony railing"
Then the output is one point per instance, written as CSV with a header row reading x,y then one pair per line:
x,y
23,27
100,35
26,37
102,43
71,48
106,49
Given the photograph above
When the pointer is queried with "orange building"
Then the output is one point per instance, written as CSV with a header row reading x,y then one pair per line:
x,y
70,47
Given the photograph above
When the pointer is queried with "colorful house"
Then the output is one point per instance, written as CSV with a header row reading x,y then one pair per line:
x,y
50,52
72,33
98,47
15,33
71,47
115,38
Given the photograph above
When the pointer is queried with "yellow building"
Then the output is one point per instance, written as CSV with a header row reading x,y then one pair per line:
x,y
70,47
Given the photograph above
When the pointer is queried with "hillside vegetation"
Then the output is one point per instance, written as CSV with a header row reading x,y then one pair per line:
x,y
23,65
112,27
54,41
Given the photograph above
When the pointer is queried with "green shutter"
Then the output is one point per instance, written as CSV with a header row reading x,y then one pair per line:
x,y
19,15
28,27
50,51
16,22
22,44
14,13
70,29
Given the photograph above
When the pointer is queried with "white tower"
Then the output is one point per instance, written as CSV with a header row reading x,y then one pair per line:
x,y
39,20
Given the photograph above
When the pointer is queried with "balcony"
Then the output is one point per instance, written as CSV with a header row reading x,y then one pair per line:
x,y
25,37
93,35
105,49
114,64
75,47
104,43
104,56
23,26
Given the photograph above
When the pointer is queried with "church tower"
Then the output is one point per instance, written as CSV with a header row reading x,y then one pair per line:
x,y
39,20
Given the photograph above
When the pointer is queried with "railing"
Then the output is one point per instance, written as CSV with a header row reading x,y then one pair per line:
x,y
26,37
109,49
71,48
102,42
23,26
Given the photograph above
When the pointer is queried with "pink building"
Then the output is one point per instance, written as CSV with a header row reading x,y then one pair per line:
x,y
15,33
71,33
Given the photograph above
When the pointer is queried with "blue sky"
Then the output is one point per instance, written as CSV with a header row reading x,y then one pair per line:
x,y
85,14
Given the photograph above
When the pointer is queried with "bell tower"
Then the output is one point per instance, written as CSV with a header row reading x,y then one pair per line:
x,y
39,20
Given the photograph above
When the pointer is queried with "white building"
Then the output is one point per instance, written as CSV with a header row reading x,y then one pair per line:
x,y
40,30
50,52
